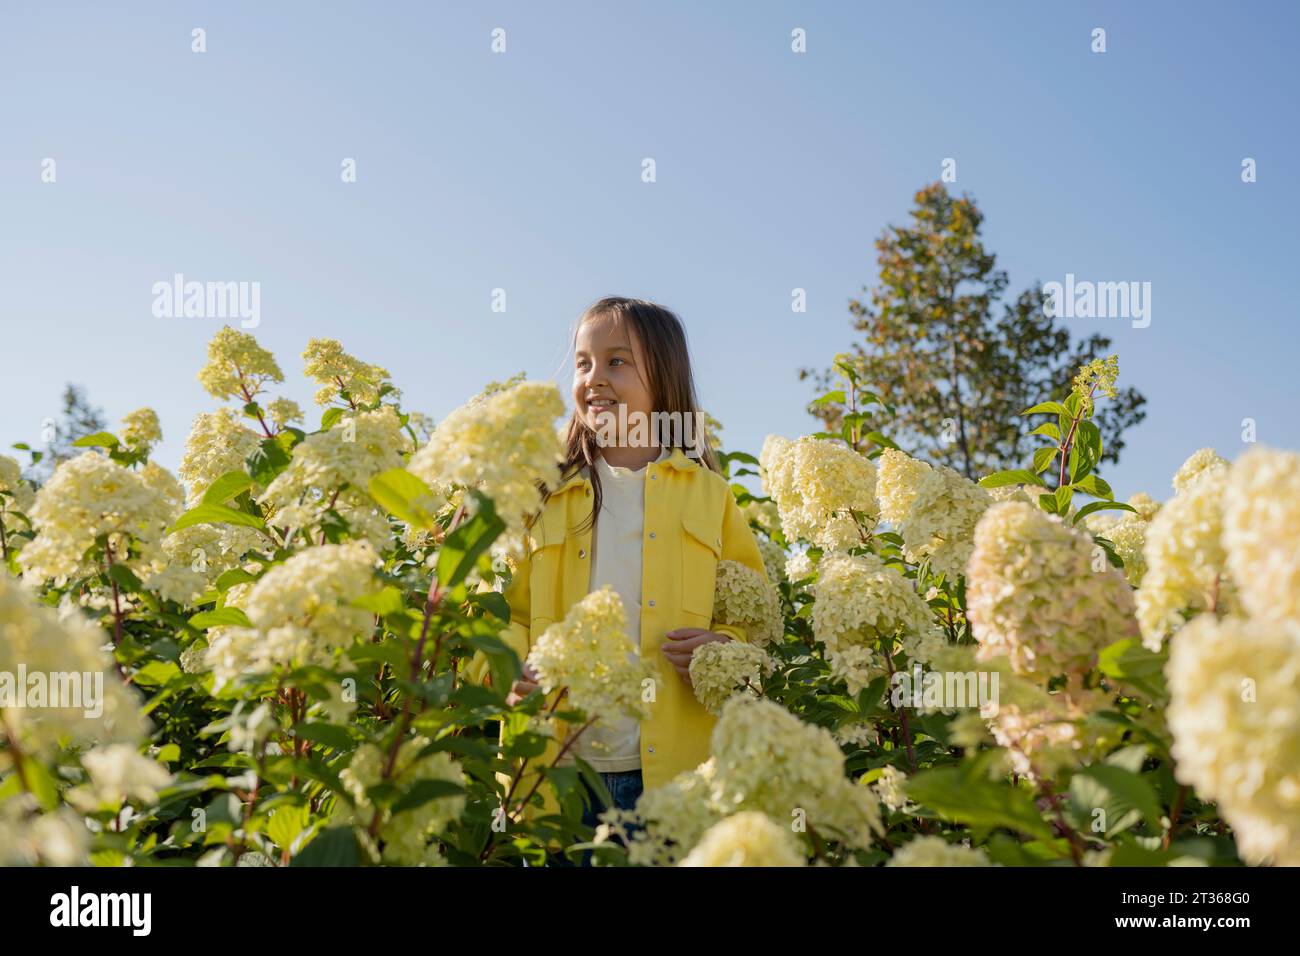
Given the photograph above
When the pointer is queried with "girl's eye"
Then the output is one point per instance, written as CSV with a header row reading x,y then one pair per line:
x,y
612,361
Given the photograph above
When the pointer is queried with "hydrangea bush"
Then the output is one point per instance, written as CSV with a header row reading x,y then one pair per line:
x,y
290,653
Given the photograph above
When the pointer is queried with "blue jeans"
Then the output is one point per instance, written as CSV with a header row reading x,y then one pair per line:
x,y
624,786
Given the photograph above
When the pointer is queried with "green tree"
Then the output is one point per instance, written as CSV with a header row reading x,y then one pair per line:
x,y
77,419
955,373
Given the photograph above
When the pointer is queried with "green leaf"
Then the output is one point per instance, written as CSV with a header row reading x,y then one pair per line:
x,y
461,549
333,846
1117,791
1047,503
836,396
964,795
228,579
328,735
1094,506
1016,476
424,791
286,823
125,578
270,458
1055,408
220,617
330,417
226,487
97,440
404,496
1043,458
1048,429
217,514
1063,496
387,601
1095,487
1128,661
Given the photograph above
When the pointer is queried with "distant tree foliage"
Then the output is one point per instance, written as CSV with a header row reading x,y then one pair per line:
x,y
956,374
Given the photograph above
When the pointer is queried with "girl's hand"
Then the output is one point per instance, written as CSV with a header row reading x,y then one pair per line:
x,y
525,685
681,645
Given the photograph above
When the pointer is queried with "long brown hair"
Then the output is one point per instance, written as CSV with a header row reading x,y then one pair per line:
x,y
671,384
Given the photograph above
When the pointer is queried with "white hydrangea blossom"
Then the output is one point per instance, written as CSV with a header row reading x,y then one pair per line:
x,y
1033,595
817,483
1261,532
1234,713
934,510
748,838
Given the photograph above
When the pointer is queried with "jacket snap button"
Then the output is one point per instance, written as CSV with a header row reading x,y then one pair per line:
x,y
652,534
650,749
652,602
653,477
582,553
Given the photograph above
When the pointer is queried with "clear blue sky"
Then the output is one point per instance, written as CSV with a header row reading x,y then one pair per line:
x,y
522,171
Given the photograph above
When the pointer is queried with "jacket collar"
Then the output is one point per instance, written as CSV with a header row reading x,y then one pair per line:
x,y
677,460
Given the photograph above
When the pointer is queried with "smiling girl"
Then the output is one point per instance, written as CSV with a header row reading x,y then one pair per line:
x,y
642,508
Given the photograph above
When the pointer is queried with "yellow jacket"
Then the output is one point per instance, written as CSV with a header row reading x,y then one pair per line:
x,y
692,521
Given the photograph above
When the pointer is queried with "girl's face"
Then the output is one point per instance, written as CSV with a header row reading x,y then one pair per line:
x,y
609,371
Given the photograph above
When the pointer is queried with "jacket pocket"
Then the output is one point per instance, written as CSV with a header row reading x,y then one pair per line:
x,y
701,549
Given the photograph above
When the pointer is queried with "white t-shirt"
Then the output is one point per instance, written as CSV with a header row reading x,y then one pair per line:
x,y
616,561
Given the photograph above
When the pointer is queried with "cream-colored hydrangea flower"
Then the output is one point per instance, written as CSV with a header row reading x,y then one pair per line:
x,y
503,445
763,514
141,429
891,788
301,612
89,496
1234,713
218,442
765,758
668,820
118,772
284,411
774,559
1205,461
933,509
858,734
590,653
748,838
237,366
1147,507
1186,563
405,834
1129,534
936,851
722,668
1032,593
1027,494
799,566
65,665
29,838
357,448
742,598
209,550
855,664
859,599
817,483
337,372
1261,532
15,493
